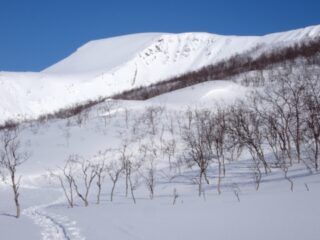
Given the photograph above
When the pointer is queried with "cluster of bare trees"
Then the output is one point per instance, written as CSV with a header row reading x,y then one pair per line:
x,y
134,161
283,119
207,141
78,175
277,126
293,116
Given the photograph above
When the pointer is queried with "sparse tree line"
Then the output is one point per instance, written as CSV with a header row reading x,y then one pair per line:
x,y
277,125
78,175
134,162
281,119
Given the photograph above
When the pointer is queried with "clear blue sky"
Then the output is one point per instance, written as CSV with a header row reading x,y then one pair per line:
x,y
37,33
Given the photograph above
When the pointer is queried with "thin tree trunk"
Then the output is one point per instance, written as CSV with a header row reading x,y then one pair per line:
x,y
99,193
15,189
200,183
219,179
316,155
131,189
127,184
16,201
112,190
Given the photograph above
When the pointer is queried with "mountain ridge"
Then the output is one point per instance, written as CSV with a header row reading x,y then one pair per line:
x,y
102,68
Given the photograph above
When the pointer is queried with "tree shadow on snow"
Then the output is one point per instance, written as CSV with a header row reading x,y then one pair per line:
x,y
7,215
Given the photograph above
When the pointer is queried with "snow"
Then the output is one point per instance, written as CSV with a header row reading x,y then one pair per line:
x,y
273,212
265,215
202,95
103,55
104,67
22,229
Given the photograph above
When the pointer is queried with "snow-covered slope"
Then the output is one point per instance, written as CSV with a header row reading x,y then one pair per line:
x,y
109,66
104,55
273,212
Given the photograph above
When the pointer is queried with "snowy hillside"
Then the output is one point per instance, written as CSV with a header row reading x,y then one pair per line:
x,y
105,67
175,211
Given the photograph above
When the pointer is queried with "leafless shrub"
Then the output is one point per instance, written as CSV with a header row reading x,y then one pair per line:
x,y
86,174
246,128
149,156
106,111
125,159
133,178
66,175
218,139
312,104
100,169
169,150
114,168
150,119
196,147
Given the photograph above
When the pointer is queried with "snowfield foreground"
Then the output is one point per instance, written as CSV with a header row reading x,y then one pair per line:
x,y
162,200
272,213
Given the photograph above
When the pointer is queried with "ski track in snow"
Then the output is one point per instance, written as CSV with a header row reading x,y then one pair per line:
x,y
54,227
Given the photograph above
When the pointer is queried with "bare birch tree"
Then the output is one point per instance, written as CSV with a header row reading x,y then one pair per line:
x,y
100,169
11,157
114,168
65,177
196,148
86,175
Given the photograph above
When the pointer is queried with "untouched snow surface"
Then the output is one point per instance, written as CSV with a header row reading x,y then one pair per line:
x,y
105,67
273,212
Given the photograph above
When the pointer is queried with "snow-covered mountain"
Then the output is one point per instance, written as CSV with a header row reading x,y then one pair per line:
x,y
104,67
148,152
